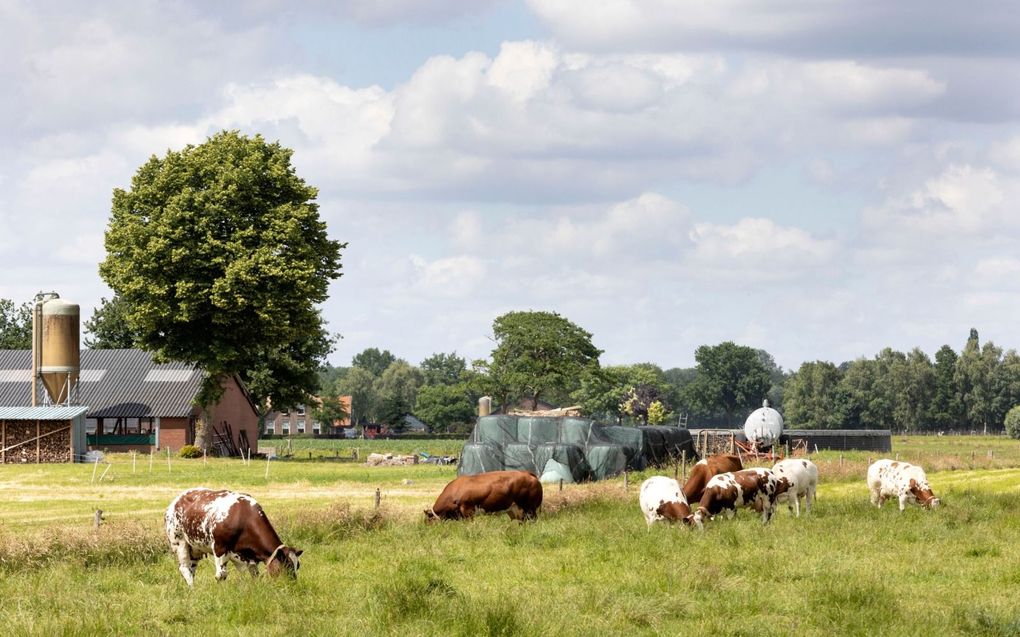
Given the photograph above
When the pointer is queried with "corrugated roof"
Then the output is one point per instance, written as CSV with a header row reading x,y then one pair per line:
x,y
41,413
116,385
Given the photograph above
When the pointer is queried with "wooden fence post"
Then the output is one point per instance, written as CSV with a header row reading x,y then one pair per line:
x,y
378,497
97,518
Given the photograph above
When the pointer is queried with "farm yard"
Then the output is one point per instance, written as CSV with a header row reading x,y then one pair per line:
x,y
588,566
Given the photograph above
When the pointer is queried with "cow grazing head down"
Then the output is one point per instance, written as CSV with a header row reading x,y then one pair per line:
x,y
674,511
519,493
230,527
284,560
923,494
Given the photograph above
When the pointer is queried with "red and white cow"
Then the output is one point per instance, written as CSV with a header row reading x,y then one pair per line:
x,y
901,480
703,470
662,499
802,474
231,527
519,493
755,488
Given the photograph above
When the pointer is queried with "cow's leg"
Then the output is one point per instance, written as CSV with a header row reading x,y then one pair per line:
x,y
186,562
903,502
221,565
467,511
809,499
796,503
515,512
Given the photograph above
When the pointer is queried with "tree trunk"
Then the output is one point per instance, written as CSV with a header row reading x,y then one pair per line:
x,y
203,430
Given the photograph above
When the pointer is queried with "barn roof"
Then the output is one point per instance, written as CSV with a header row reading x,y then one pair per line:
x,y
114,383
41,413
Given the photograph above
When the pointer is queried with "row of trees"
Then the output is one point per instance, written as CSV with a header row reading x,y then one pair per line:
x,y
971,390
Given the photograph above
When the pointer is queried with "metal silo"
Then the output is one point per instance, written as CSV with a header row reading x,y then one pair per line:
x,y
55,341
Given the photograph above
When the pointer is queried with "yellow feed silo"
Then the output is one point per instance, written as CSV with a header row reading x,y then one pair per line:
x,y
57,350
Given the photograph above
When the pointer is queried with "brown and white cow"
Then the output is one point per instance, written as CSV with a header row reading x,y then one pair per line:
x,y
703,470
519,493
755,488
802,474
662,499
901,480
231,527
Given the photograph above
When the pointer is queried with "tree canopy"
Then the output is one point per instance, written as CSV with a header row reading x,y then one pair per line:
x,y
373,360
109,328
15,325
539,354
729,377
221,257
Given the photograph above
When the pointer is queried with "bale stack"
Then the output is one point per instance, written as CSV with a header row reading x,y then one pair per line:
x,y
390,460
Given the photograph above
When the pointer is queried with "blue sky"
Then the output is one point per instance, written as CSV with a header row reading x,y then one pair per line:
x,y
820,180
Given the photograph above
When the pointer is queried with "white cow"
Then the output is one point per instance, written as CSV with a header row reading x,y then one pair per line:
x,y
803,478
901,480
662,499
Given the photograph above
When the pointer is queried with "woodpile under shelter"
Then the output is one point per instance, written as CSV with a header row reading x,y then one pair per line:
x,y
132,403
41,434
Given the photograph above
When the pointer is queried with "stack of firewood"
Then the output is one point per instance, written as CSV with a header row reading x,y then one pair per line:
x,y
24,442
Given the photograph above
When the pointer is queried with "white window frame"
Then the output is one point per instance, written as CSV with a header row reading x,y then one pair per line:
x,y
285,428
301,426
316,427
270,428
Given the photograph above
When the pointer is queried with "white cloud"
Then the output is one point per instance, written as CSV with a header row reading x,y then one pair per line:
x,y
756,249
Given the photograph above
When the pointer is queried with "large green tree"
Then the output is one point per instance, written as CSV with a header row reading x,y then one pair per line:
x,y
221,256
539,355
373,360
946,410
730,377
975,379
444,407
359,384
109,328
443,369
15,325
810,396
397,390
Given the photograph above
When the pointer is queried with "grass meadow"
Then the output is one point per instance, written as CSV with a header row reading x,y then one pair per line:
x,y
587,567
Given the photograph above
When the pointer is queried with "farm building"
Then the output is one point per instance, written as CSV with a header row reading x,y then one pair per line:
x,y
133,403
299,421
572,449
41,434
725,440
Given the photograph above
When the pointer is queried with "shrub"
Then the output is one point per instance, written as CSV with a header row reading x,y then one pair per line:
x,y
1013,422
190,451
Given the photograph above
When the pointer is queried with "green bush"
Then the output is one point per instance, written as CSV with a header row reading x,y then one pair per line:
x,y
1013,422
190,451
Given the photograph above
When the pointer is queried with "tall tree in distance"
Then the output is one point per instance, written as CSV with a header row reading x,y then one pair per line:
x,y
946,409
397,390
359,384
810,396
443,369
15,325
109,328
219,252
374,361
540,354
729,377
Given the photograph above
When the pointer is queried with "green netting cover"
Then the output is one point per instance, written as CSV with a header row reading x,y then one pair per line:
x,y
538,430
589,450
496,430
520,457
606,460
654,446
479,458
631,440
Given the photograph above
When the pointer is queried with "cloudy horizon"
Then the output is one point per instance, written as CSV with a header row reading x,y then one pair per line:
x,y
813,180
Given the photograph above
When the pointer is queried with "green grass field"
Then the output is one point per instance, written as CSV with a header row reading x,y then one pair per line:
x,y
587,567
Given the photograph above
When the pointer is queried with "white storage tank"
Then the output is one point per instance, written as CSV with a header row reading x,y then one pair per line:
x,y
764,426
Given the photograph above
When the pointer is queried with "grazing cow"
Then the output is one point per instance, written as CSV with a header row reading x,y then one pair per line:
x,y
662,499
703,470
519,493
229,526
803,478
894,479
756,488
